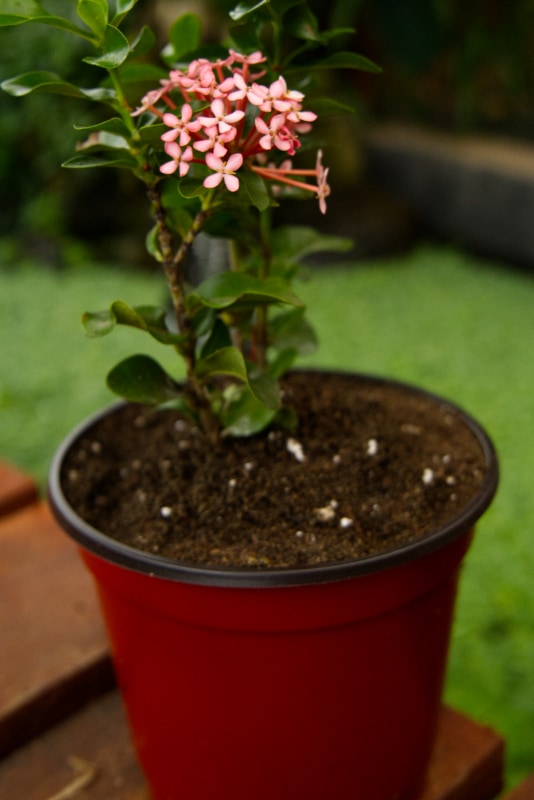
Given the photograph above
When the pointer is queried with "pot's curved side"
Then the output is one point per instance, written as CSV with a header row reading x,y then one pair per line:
x,y
325,690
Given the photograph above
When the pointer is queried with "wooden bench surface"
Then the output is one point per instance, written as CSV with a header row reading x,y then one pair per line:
x,y
63,732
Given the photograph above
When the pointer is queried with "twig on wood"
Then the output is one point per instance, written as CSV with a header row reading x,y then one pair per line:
x,y
85,775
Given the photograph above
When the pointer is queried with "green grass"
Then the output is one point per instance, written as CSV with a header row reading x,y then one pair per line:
x,y
459,326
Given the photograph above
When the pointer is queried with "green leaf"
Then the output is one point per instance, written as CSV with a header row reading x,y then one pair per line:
x,y
184,36
292,331
266,389
302,23
21,8
218,338
244,8
114,126
103,141
95,15
122,8
115,50
283,361
123,159
140,379
146,318
325,106
345,60
256,189
225,361
143,42
138,72
191,187
237,290
42,17
229,361
151,134
246,416
293,242
40,81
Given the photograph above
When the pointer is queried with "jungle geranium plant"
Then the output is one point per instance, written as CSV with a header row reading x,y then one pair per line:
x,y
213,140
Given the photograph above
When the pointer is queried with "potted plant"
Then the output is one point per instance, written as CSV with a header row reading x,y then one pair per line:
x,y
276,551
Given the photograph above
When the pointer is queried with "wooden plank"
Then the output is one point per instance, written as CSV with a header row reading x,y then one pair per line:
x,y
16,489
525,791
90,750
53,649
467,762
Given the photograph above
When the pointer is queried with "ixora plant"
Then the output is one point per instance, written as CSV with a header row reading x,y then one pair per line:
x,y
213,143
276,552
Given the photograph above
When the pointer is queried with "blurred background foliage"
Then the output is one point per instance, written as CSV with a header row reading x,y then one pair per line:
x,y
446,63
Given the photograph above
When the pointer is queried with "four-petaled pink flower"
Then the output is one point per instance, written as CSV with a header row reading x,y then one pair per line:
x,y
274,134
220,118
223,171
181,128
215,141
180,160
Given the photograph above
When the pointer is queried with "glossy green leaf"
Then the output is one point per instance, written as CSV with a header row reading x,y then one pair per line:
x,y
122,159
190,187
256,189
226,361
345,60
302,23
291,330
185,35
143,42
229,361
266,388
151,134
121,9
114,126
21,9
146,318
293,242
218,338
38,15
115,50
102,141
140,379
229,289
137,72
244,8
95,15
40,81
326,106
246,416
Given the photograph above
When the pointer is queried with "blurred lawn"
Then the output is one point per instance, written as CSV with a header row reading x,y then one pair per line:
x,y
457,325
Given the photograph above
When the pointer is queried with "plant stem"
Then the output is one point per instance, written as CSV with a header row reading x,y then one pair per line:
x,y
260,328
172,267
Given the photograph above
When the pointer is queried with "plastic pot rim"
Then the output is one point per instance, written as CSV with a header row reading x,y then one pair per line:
x,y
152,565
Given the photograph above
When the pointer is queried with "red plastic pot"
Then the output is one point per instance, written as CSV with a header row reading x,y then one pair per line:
x,y
315,683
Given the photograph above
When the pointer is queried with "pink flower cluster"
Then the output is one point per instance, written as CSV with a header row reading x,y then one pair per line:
x,y
218,114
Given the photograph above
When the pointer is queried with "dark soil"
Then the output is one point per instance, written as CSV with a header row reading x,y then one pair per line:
x,y
377,469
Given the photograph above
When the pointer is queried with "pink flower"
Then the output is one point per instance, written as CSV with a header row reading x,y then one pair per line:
x,y
150,99
220,118
182,128
274,133
215,141
323,189
253,58
180,160
223,171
